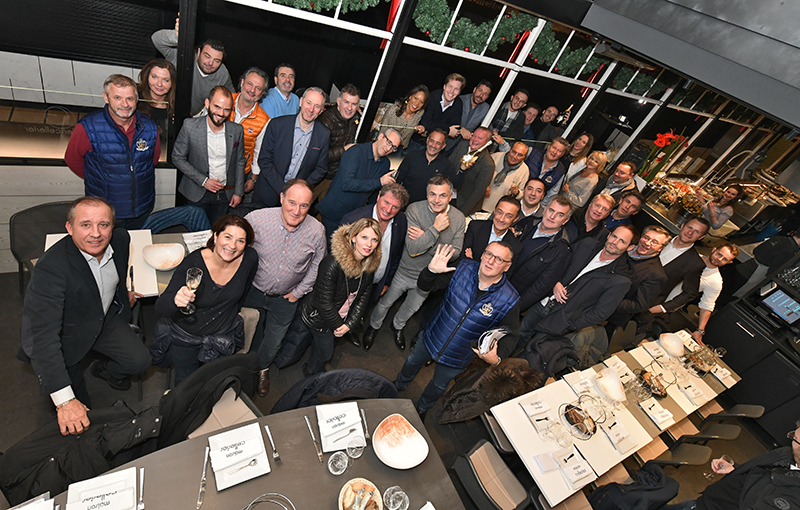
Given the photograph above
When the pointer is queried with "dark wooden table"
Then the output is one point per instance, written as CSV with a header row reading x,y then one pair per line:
x,y
172,475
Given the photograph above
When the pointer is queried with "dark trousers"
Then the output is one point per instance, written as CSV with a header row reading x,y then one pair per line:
x,y
214,204
442,375
122,346
132,223
321,349
277,314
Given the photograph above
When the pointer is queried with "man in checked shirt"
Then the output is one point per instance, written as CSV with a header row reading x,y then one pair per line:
x,y
290,246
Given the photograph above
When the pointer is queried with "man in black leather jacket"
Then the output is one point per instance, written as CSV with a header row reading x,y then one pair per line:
x,y
342,122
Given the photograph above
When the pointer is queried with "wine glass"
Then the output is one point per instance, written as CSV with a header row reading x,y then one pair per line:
x,y
355,447
395,499
710,475
337,463
193,277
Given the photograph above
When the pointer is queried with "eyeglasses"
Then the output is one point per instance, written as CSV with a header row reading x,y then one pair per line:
x,y
389,142
791,434
491,256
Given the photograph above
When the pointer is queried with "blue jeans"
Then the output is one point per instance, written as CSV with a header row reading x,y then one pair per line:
x,y
190,216
277,314
686,505
321,349
214,204
442,376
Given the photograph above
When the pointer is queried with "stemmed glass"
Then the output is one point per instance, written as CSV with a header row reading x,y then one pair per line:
x,y
193,277
355,447
710,475
395,499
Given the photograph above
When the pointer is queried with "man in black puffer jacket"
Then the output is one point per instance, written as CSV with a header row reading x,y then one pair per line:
x,y
342,122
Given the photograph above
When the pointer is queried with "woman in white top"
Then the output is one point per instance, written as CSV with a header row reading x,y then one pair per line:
x,y
578,187
719,210
575,157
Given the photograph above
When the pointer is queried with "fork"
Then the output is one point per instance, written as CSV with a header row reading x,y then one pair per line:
x,y
140,506
275,455
344,436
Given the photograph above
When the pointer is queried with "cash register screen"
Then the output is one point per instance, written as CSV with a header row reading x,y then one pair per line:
x,y
783,306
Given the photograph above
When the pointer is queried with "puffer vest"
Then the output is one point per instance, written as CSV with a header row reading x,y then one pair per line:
x,y
122,174
252,124
464,315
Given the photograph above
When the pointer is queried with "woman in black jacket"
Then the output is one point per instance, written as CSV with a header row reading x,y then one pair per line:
x,y
341,292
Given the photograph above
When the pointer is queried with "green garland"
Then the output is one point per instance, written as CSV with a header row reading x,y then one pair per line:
x,y
641,83
329,5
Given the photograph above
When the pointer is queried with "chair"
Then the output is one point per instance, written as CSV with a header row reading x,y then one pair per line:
x,y
28,230
719,431
577,501
738,412
684,454
489,482
622,337
228,411
496,434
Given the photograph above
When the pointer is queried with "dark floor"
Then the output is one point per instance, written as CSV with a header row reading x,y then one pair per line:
x,y
24,409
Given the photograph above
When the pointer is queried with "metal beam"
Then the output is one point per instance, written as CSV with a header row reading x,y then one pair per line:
x,y
186,60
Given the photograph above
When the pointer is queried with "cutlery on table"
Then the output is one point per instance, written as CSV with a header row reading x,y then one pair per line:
x,y
140,506
344,436
366,428
202,493
249,464
314,439
275,455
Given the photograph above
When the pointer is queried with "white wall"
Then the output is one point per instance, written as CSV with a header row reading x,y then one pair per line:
x,y
22,187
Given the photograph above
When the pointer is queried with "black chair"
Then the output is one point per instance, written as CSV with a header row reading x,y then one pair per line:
x,y
684,454
737,412
489,482
496,434
28,230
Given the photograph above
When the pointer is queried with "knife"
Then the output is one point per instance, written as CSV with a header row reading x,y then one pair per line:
x,y
202,493
316,443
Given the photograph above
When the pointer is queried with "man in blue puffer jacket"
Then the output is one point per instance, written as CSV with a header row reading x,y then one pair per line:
x,y
115,151
479,297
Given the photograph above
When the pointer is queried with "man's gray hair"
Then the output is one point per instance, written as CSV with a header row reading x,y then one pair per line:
x,y
317,90
260,73
388,131
120,80
92,201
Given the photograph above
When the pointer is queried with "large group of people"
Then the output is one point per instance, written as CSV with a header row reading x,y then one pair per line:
x,y
308,223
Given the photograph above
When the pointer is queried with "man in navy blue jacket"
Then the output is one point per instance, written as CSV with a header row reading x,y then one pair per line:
x,y
294,146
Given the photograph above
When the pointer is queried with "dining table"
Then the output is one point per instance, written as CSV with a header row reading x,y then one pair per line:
x,y
597,448
173,474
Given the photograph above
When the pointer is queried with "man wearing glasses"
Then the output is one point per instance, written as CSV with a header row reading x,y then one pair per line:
x,y
479,297
771,480
509,123
363,169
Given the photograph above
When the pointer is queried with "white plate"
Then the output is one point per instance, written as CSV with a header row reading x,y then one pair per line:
x,y
163,257
398,444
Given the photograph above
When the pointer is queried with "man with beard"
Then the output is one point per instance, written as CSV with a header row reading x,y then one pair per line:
x,y
209,151
477,174
418,167
596,280
208,72
280,100
509,122
542,127
295,147
618,183
115,152
510,175
342,122
473,110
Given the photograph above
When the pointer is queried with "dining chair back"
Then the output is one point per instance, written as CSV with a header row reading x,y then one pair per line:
x,y
28,230
487,479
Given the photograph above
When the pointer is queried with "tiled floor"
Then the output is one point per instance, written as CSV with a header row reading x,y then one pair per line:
x,y
23,409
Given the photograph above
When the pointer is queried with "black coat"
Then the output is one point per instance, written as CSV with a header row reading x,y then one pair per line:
x,y
593,297
399,231
47,461
434,117
647,283
477,238
63,313
335,386
687,269
343,132
536,271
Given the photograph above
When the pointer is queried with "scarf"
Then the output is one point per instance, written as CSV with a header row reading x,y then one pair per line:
x,y
500,178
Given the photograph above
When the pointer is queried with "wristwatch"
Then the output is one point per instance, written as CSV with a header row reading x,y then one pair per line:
x,y
701,331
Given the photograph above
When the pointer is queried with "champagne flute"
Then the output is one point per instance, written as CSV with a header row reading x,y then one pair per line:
x,y
193,277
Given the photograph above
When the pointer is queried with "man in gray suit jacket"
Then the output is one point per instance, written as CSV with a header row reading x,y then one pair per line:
x,y
209,151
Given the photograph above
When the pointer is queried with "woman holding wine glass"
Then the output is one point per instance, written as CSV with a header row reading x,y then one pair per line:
x,y
342,290
200,324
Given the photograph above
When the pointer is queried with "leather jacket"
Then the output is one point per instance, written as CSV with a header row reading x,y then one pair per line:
x,y
343,132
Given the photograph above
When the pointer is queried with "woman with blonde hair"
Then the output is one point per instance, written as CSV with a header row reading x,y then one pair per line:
x,y
579,187
342,290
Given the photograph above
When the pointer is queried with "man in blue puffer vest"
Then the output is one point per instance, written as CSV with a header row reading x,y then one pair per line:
x,y
479,297
115,151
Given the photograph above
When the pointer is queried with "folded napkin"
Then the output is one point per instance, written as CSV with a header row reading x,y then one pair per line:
x,y
619,436
654,410
546,462
692,392
116,491
619,366
535,408
655,350
336,423
233,447
574,467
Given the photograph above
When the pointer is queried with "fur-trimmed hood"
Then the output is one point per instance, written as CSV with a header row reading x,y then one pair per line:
x,y
342,251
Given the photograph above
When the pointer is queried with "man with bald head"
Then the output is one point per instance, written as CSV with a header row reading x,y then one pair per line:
x,y
476,173
294,147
